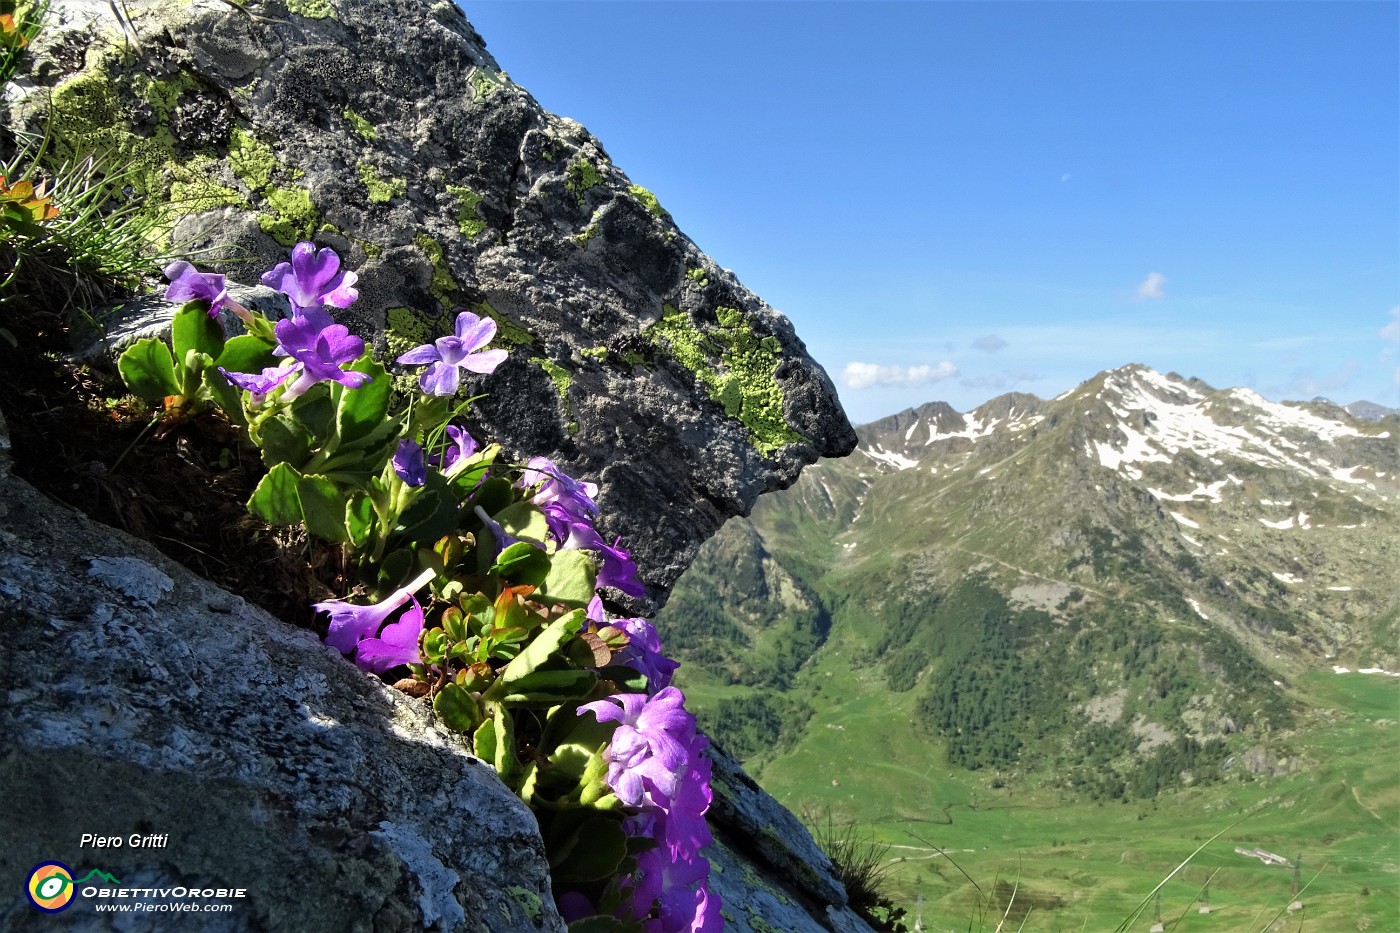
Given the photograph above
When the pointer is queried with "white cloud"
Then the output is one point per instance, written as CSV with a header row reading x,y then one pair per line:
x,y
865,375
1151,286
989,342
1390,333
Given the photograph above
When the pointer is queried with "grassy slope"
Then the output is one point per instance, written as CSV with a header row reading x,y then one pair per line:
x,y
1342,815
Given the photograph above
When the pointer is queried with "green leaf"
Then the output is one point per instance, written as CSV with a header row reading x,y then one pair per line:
x,y
322,508
507,763
484,740
456,708
600,924
283,441
536,654
571,579
522,562
550,688
592,853
629,679
316,411
360,520
245,354
360,411
194,329
523,520
148,369
224,394
395,568
433,513
276,500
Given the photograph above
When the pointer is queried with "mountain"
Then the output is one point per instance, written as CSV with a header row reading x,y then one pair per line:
x,y
1370,411
1111,591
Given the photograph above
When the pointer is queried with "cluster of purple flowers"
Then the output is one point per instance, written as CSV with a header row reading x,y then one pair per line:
x,y
657,764
569,508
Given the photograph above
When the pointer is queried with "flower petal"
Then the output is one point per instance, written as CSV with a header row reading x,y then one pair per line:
x,y
484,362
475,332
427,353
440,379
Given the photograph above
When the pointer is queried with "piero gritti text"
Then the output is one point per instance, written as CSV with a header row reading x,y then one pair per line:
x,y
134,841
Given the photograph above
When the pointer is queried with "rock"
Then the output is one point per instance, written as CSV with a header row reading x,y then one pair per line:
x,y
383,128
143,701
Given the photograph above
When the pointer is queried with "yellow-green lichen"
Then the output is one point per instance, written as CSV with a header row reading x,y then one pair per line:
x,y
507,331
562,380
250,158
735,367
360,125
312,9
381,190
698,276
485,82
295,217
527,900
443,286
648,201
594,353
582,176
588,233
467,220
405,329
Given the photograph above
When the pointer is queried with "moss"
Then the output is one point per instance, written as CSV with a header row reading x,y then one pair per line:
x,y
507,331
562,380
582,176
443,286
360,125
698,276
381,191
467,220
648,201
742,382
312,9
251,159
295,219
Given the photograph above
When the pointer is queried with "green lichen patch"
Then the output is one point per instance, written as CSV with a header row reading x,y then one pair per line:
x,y
698,276
295,217
598,354
507,331
195,194
582,176
312,9
562,380
405,329
485,82
467,220
381,190
251,159
443,286
360,125
588,233
648,201
735,367
528,901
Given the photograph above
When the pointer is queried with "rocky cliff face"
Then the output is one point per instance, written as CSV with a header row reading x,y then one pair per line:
x,y
383,128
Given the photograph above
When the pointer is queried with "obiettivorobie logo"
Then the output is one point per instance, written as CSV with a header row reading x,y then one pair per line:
x,y
51,886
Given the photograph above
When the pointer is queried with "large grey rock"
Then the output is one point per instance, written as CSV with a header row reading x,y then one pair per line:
x,y
140,699
384,128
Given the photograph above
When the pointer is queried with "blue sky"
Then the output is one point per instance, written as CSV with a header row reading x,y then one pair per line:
x,y
956,200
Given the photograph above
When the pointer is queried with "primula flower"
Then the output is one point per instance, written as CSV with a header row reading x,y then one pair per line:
x,y
643,653
409,463
189,284
573,496
457,446
351,624
397,644
321,351
446,356
262,384
313,280
672,885
649,748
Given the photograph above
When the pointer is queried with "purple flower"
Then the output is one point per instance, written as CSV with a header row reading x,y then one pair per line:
x,y
397,644
262,384
618,571
643,653
350,624
672,886
409,463
456,448
321,350
503,540
650,747
188,284
313,279
448,355
573,496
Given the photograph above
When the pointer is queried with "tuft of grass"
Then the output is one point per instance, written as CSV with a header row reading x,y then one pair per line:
x,y
862,865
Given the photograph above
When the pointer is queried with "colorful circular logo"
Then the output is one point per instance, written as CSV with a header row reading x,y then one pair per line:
x,y
50,886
